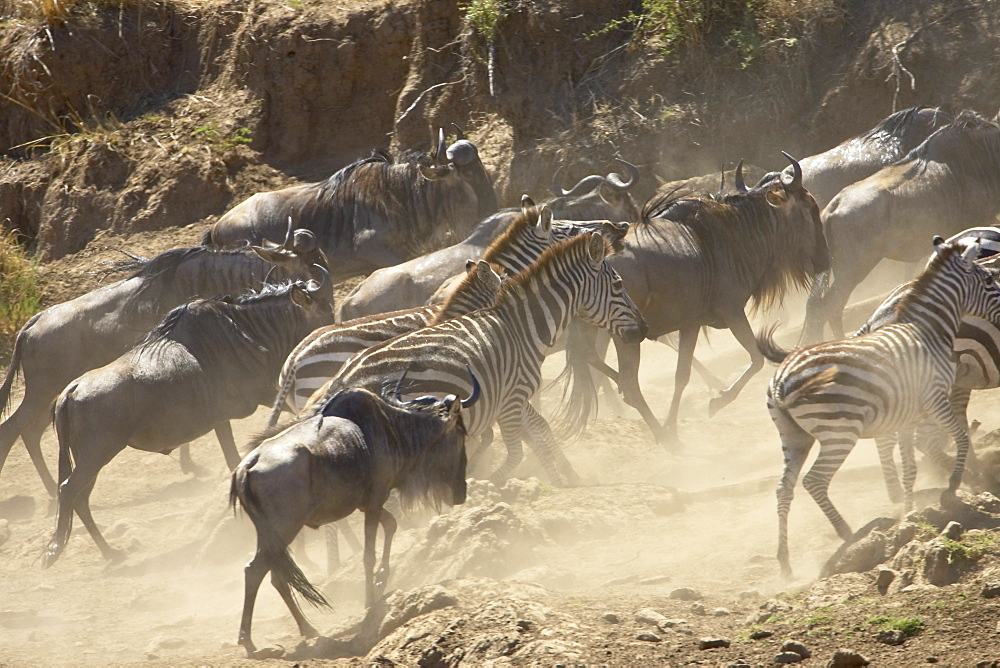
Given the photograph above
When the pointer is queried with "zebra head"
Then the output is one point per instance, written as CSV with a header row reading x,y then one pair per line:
x,y
604,301
975,288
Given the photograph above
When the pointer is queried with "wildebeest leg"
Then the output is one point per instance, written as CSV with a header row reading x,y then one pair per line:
x,y
713,381
83,510
548,450
253,575
332,547
381,576
28,422
306,630
372,516
80,479
845,279
740,327
224,432
188,465
628,382
815,320
886,446
686,343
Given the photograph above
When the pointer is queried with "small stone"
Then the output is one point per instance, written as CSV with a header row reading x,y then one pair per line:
x,y
275,652
788,657
931,659
760,634
712,643
698,609
721,612
847,659
610,618
524,625
952,531
739,664
885,577
648,637
797,647
685,594
649,616
991,590
671,623
891,637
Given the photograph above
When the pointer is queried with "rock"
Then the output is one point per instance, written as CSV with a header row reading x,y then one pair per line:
x,y
847,659
932,659
685,594
649,616
698,609
788,657
671,623
648,637
610,618
275,652
404,606
739,664
890,637
797,647
163,642
721,612
953,531
749,595
760,634
524,491
712,643
884,579
990,589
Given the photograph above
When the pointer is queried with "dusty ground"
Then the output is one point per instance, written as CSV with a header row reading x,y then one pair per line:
x,y
531,570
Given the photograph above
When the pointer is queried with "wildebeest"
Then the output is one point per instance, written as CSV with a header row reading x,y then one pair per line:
x,y
209,361
413,283
827,173
373,213
505,346
694,262
66,340
948,183
348,456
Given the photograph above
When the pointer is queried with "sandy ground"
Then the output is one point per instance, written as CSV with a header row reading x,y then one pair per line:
x,y
175,602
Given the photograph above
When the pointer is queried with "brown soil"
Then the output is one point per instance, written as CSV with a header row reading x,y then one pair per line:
x,y
144,111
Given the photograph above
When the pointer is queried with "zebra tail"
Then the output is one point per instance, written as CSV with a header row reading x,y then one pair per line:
x,y
821,380
768,348
269,543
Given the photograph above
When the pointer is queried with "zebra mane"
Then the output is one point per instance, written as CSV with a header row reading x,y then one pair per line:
x,y
557,253
919,288
469,284
505,239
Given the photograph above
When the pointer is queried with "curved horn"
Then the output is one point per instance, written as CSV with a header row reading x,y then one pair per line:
x,y
303,241
324,277
396,393
556,188
722,184
796,181
586,184
741,185
439,157
459,132
476,390
287,244
615,180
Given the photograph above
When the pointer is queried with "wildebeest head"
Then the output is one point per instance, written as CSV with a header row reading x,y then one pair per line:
x,y
299,249
595,197
460,161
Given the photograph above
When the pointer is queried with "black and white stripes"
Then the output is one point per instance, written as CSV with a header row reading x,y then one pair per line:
x,y
877,383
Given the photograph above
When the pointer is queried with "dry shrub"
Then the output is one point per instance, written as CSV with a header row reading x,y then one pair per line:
x,y
20,292
49,11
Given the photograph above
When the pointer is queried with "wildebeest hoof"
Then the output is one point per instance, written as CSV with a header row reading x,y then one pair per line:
x,y
718,403
114,556
275,652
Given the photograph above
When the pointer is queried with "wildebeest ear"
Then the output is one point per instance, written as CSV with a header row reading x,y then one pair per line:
x,y
775,197
274,255
436,172
614,233
300,296
597,249
452,405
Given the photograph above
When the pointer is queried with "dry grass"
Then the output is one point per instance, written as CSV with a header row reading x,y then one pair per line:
x,y
54,11
20,292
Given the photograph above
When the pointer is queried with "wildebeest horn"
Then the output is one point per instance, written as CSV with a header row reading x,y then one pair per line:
x,y
585,185
796,181
741,185
287,245
396,393
476,390
615,180
459,132
462,152
303,241
324,276
439,156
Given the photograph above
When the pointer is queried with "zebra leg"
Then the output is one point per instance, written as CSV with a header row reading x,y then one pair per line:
x,y
939,407
511,428
685,354
909,468
740,327
833,450
548,450
795,446
886,446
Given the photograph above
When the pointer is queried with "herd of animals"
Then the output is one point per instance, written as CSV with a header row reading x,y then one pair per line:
x,y
434,349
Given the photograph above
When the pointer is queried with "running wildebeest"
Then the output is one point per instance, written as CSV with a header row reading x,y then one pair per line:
x,y
66,340
948,183
694,262
348,456
209,361
373,213
827,173
413,283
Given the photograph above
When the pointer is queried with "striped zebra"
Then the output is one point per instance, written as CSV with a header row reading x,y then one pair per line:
x,y
504,346
877,383
320,356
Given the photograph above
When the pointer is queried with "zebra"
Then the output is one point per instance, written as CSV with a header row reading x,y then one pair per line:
x,y
976,354
877,383
320,356
504,345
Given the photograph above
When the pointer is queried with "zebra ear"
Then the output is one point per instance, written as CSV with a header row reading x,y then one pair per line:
x,y
527,204
469,264
597,249
486,274
545,219
971,252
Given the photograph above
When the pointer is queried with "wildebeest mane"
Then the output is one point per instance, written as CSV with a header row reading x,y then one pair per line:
x,y
740,236
897,124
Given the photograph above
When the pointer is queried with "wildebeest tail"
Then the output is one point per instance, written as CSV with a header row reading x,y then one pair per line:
x,y
269,543
15,365
63,431
579,395
767,347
